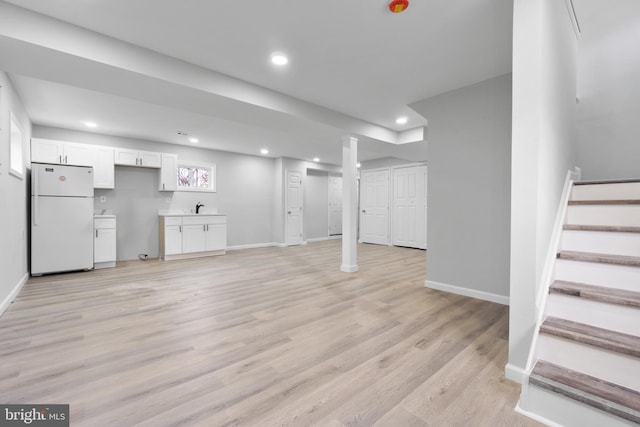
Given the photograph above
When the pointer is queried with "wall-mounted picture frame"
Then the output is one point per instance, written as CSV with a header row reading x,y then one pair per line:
x,y
16,147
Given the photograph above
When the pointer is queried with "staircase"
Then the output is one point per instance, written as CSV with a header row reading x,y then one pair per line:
x,y
586,362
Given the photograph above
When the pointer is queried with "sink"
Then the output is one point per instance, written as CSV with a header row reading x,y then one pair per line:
x,y
187,212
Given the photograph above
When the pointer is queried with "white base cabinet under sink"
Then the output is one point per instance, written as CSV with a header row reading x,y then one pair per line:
x,y
191,236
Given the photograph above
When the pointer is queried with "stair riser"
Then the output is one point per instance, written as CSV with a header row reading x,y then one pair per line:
x,y
591,273
614,317
619,191
609,366
622,215
563,411
610,243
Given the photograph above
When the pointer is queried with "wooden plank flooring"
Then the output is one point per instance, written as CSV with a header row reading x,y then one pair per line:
x,y
259,337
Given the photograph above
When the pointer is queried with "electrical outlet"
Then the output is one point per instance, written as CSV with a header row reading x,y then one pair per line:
x,y
103,199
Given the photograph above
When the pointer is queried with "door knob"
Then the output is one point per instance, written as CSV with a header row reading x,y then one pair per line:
x,y
289,212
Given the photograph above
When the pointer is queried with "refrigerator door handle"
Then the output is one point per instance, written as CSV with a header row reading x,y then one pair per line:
x,y
35,196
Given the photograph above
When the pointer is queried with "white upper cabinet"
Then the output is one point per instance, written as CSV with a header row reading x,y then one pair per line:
x,y
127,157
168,172
103,168
71,153
78,154
47,151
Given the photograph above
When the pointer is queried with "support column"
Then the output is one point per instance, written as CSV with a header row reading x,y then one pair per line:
x,y
349,204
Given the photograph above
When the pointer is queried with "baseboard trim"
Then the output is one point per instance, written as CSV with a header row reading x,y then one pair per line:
x,y
486,296
13,294
535,417
349,268
514,373
253,246
317,239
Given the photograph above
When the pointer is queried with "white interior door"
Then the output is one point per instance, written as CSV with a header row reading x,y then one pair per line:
x,y
335,205
374,207
409,207
293,205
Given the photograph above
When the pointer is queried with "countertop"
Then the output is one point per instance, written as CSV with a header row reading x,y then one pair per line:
x,y
177,212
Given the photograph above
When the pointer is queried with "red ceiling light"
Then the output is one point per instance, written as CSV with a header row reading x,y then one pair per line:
x,y
397,6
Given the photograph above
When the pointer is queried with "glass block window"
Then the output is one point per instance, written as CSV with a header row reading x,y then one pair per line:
x,y
192,177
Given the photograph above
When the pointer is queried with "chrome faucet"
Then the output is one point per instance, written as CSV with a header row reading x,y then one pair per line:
x,y
198,206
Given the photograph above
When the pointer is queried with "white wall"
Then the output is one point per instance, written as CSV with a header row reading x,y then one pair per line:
x,y
316,205
14,199
544,92
245,192
608,128
385,162
468,193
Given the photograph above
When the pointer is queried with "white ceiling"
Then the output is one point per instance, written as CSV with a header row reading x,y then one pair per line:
x,y
354,67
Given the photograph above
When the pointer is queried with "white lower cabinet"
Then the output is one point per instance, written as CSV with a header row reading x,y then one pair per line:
x,y
104,242
192,236
171,236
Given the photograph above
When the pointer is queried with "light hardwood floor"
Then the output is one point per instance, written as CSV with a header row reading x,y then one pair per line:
x,y
265,337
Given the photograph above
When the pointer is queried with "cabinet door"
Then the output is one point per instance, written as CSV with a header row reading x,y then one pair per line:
x,y
46,151
168,173
104,245
193,238
126,157
216,237
78,154
149,159
172,239
103,168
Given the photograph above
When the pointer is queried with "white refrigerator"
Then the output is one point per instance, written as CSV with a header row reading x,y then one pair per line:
x,y
61,218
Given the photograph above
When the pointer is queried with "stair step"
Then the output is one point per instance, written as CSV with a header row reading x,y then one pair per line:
x,y
605,202
594,273
609,182
611,398
598,293
591,335
609,228
600,258
610,243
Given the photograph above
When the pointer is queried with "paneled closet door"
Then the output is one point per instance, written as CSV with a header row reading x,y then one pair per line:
x,y
409,207
374,207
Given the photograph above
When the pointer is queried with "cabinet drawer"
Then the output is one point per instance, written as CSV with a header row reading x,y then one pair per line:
x,y
100,223
172,220
204,219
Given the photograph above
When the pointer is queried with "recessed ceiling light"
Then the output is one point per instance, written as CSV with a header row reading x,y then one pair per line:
x,y
358,165
316,159
90,124
279,59
264,151
194,140
401,120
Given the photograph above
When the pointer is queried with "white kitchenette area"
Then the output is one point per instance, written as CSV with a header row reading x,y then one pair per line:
x,y
146,179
